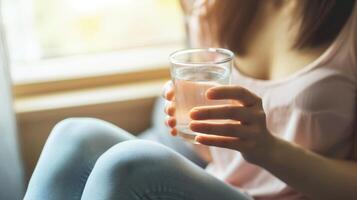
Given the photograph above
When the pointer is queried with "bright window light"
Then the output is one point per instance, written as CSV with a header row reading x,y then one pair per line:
x,y
43,29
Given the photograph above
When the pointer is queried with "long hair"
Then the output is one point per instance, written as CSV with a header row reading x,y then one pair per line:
x,y
227,22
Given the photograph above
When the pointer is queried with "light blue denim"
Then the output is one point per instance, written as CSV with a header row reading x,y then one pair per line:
x,y
91,159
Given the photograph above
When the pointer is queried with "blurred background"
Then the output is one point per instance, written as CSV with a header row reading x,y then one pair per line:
x,y
71,58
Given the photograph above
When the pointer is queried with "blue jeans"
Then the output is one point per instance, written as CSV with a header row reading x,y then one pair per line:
x,y
92,159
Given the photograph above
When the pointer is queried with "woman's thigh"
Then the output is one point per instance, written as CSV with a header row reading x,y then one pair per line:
x,y
69,155
140,169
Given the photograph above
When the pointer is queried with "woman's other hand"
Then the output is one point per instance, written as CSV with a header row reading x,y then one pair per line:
x,y
241,125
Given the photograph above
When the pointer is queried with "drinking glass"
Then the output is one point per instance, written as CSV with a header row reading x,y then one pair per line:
x,y
193,72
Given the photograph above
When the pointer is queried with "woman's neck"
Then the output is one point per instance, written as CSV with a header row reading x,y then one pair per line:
x,y
270,53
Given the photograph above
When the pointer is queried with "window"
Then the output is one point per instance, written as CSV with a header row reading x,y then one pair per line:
x,y
58,38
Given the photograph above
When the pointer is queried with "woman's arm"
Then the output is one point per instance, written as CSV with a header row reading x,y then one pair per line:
x,y
314,175
244,130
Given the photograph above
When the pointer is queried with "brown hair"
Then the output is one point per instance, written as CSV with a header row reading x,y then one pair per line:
x,y
226,21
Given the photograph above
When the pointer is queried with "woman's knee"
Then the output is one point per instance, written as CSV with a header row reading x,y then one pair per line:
x,y
137,159
141,169
70,153
128,166
86,134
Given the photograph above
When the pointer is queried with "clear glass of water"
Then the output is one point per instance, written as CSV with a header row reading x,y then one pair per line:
x,y
193,72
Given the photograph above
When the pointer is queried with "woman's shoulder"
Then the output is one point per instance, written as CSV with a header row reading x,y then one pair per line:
x,y
349,37
341,56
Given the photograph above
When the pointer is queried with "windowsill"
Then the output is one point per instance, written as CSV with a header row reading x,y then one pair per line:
x,y
51,104
88,71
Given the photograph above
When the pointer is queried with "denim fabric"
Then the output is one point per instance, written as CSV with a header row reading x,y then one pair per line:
x,y
91,159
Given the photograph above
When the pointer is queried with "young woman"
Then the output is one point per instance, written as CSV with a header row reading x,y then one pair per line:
x,y
296,78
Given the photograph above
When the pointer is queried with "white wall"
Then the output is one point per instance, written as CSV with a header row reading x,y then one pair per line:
x,y
11,170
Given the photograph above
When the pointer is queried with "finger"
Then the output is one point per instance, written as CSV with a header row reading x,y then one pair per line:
x,y
173,132
171,122
170,108
234,112
233,92
218,141
221,129
168,92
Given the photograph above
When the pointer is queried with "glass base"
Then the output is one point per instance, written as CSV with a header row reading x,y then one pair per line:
x,y
185,133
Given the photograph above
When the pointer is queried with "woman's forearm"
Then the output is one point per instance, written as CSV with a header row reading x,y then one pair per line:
x,y
312,174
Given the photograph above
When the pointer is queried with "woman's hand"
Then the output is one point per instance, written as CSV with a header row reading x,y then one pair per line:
x,y
169,95
243,125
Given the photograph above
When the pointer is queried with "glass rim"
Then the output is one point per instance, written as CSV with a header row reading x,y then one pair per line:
x,y
228,53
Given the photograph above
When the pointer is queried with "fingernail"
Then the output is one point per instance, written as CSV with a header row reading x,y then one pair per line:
x,y
173,132
197,139
210,93
192,125
193,113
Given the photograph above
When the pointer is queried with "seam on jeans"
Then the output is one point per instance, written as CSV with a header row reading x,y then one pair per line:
x,y
136,195
83,180
163,195
160,192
